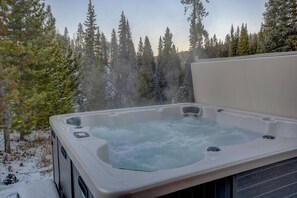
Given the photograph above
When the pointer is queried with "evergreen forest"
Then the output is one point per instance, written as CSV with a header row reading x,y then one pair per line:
x,y
44,73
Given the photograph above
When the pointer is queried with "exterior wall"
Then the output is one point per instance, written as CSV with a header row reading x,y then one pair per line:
x,y
262,83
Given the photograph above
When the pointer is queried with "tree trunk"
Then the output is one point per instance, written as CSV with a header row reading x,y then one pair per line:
x,y
5,120
22,135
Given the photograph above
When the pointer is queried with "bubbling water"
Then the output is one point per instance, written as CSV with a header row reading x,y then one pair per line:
x,y
166,144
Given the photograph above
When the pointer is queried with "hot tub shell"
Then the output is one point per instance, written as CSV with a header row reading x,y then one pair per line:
x,y
82,166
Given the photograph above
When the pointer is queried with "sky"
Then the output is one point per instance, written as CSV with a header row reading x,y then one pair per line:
x,y
151,17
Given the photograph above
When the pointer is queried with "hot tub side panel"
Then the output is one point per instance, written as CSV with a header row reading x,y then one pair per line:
x,y
271,181
55,156
221,188
65,181
80,189
66,176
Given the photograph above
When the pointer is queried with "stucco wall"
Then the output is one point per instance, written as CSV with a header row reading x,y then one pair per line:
x,y
264,84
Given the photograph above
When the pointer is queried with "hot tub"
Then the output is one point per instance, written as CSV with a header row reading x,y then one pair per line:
x,y
262,164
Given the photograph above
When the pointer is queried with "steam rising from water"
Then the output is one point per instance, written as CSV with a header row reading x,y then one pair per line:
x,y
156,145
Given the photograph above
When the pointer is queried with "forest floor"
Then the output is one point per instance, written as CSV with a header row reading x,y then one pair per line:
x,y
30,160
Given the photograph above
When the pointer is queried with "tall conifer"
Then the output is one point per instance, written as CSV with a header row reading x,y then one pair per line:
x,y
79,41
139,55
98,49
35,55
168,71
261,41
92,82
279,26
123,39
146,75
126,66
232,48
197,30
111,74
104,50
243,43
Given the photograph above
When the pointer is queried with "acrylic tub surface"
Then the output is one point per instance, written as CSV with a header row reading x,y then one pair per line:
x,y
90,156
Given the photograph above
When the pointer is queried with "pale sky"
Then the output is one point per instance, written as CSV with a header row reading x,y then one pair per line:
x,y
151,17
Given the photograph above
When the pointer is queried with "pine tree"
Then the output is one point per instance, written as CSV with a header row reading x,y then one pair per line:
x,y
66,42
169,71
90,30
78,52
232,48
22,55
164,57
215,45
243,43
292,23
146,75
92,85
34,54
215,50
208,48
159,76
79,41
66,38
130,48
114,49
253,38
139,55
197,30
261,41
111,73
167,43
122,67
279,26
236,41
126,66
149,61
104,50
226,47
173,75
269,24
97,49
132,69
63,81
123,39
160,49
5,89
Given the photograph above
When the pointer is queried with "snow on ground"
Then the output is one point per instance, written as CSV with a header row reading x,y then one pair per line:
x,y
30,161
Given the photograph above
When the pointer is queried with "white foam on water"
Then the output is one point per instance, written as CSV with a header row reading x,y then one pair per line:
x,y
156,145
